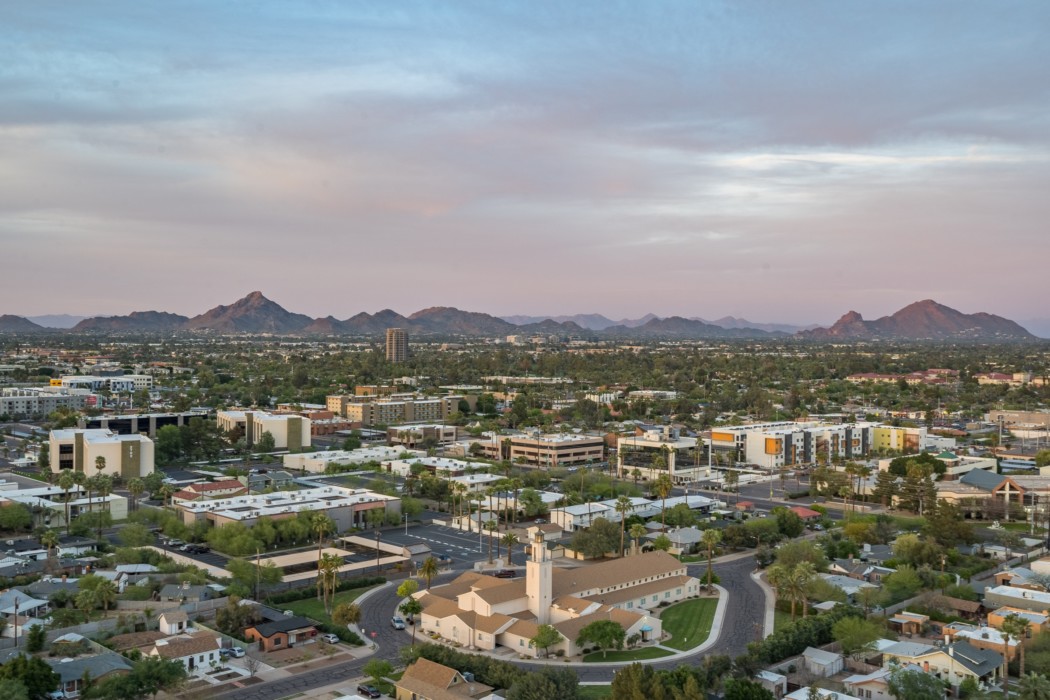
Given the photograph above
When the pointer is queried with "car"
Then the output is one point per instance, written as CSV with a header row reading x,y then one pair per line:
x,y
330,638
397,622
540,521
368,691
505,573
175,544
236,652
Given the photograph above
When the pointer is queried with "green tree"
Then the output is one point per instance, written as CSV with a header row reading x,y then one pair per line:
x,y
33,673
135,535
49,539
266,443
604,634
856,635
906,684
662,542
168,444
66,482
546,684
637,532
136,487
15,516
662,487
546,637
377,670
1016,627
11,689
346,614
597,540
35,639
246,576
745,689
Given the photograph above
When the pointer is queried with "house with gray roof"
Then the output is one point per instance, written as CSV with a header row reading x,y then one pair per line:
x,y
71,671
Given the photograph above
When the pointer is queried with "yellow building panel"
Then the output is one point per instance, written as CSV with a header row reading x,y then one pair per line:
x,y
774,446
722,437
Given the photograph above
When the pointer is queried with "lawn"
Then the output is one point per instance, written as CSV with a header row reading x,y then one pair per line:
x,y
689,623
314,609
595,692
781,619
632,655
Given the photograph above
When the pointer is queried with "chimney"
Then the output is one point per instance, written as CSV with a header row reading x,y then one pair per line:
x,y
925,666
64,577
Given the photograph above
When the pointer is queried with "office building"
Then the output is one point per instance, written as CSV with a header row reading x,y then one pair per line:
x,y
146,423
290,432
662,450
396,345
126,456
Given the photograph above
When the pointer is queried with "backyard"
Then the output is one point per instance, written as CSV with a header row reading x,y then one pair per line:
x,y
314,609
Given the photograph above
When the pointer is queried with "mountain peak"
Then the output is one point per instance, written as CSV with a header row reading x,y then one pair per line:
x,y
924,320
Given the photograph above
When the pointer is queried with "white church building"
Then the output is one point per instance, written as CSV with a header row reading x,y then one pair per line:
x,y
483,612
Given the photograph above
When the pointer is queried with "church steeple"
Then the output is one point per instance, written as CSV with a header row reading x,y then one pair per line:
x,y
539,578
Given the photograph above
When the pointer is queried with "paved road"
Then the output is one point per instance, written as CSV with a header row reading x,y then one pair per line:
x,y
742,624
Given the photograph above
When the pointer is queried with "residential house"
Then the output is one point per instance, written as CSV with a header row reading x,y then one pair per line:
x,y
804,694
953,663
225,488
427,680
775,683
21,611
860,570
822,663
874,685
684,540
271,480
807,514
194,650
1037,622
849,586
1021,598
280,634
72,671
185,593
982,637
909,623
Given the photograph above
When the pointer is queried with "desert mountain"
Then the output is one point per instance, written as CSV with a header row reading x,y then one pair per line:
x,y
252,314
63,321
17,324
923,320
136,321
591,322
682,329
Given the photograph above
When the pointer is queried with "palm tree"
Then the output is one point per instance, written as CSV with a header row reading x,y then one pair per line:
x,y
490,526
638,531
86,601
778,575
49,539
166,491
510,539
103,484
662,487
798,585
711,538
428,570
1035,686
135,487
66,482
105,595
1017,627
623,507
328,578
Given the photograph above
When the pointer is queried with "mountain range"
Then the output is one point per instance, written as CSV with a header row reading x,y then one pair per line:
x,y
924,320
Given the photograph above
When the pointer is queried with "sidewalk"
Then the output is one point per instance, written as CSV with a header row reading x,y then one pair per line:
x,y
771,603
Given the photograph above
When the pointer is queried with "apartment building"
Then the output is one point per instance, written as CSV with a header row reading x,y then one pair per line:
x,y
126,456
396,345
290,432
413,436
780,444
33,402
410,410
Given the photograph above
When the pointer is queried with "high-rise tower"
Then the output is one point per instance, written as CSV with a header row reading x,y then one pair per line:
x,y
396,345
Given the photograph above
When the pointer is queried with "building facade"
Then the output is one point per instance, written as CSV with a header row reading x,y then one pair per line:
x,y
126,456
396,345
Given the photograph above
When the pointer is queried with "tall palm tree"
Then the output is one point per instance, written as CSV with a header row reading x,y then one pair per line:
x,y
1017,627
662,487
711,538
637,532
66,482
490,526
166,491
428,570
103,484
328,578
623,507
135,487
322,525
510,539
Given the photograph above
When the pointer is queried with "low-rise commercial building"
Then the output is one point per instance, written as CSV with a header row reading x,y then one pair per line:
x,y
38,402
662,451
346,507
548,451
290,432
146,423
317,462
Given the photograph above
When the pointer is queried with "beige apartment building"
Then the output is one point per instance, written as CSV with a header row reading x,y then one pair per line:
x,y
126,456
552,450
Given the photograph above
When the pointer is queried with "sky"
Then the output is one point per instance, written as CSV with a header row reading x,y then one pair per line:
x,y
779,161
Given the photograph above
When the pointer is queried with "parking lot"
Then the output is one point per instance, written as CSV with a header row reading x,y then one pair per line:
x,y
461,547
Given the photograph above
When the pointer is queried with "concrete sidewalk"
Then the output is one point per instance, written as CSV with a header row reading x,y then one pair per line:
x,y
771,603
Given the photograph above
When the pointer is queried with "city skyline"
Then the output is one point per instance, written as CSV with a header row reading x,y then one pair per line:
x,y
772,162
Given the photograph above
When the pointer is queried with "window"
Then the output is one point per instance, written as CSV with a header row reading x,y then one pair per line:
x,y
277,642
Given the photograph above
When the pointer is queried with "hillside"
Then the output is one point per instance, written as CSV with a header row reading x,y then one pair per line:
x,y
923,320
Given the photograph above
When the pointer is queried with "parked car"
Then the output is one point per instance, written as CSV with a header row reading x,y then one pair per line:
x,y
330,638
236,652
540,521
505,573
368,691
397,622
175,544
